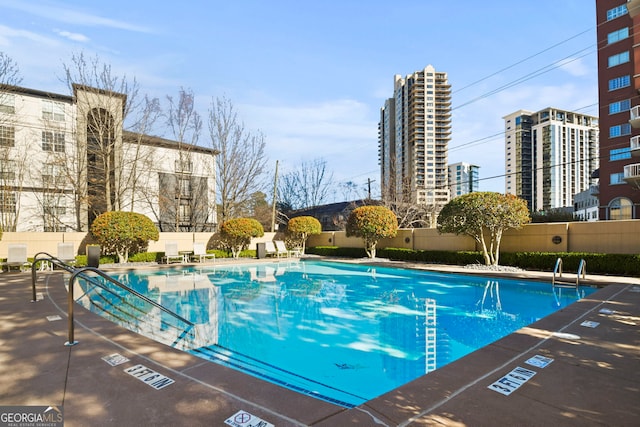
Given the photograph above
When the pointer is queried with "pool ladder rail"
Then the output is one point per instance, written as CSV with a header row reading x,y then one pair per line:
x,y
557,281
187,333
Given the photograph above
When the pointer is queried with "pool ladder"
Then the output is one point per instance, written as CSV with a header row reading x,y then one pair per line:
x,y
188,332
557,270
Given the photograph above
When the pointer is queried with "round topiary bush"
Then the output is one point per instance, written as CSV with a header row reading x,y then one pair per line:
x,y
236,234
301,227
372,223
122,233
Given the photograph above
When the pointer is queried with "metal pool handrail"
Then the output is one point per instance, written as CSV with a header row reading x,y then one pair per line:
x,y
48,258
77,271
582,271
557,269
102,274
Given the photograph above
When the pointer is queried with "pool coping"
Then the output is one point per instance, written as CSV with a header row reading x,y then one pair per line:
x,y
592,380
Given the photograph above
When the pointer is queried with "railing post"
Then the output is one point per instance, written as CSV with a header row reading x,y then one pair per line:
x,y
70,302
33,273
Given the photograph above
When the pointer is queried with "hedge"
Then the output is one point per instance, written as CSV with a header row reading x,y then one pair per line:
x,y
612,264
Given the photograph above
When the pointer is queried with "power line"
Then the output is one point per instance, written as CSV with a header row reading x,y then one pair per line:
x,y
522,61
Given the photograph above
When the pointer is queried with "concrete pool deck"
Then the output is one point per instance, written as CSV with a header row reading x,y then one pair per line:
x,y
594,378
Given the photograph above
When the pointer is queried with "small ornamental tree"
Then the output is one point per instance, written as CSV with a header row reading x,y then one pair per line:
x,y
236,233
301,227
123,233
484,215
372,223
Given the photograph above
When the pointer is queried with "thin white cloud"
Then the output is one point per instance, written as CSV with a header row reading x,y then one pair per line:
x,y
61,13
576,67
76,37
8,33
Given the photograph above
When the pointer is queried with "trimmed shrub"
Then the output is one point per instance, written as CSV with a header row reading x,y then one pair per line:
x,y
236,234
613,264
122,233
301,227
372,223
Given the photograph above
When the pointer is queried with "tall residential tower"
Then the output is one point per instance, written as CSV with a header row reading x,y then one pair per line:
x,y
550,156
413,138
618,87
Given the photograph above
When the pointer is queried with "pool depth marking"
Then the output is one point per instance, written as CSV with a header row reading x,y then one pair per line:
x,y
149,376
512,381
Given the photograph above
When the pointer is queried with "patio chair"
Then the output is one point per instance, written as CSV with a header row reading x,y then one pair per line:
x,y
171,253
66,253
200,253
17,257
282,250
270,249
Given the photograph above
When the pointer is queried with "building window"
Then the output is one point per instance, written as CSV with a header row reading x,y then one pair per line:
x,y
185,187
620,208
7,171
620,106
7,202
7,136
53,111
53,176
616,12
620,154
7,103
53,141
184,213
619,82
618,35
620,58
616,178
620,130
53,209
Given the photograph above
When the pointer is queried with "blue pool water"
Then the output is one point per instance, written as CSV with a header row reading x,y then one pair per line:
x,y
342,332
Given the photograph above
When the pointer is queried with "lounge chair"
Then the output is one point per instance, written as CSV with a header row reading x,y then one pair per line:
x,y
171,253
17,257
66,253
200,253
282,250
270,249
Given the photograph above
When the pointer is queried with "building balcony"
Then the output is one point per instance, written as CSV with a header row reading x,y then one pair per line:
x,y
635,146
634,118
594,190
633,6
632,173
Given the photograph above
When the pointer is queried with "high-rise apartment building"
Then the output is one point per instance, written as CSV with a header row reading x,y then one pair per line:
x,y
414,134
550,156
463,178
618,22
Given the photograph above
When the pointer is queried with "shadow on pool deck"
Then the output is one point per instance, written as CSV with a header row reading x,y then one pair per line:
x,y
594,378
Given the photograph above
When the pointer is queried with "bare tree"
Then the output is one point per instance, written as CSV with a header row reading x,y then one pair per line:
x,y
408,213
307,186
178,208
350,190
13,158
241,161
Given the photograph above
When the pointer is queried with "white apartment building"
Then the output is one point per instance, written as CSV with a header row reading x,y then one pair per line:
x,y
550,156
413,137
463,178
66,159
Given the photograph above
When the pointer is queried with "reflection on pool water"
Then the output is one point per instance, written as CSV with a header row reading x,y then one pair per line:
x,y
341,332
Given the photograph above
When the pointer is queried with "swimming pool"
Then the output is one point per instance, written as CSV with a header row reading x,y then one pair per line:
x,y
341,332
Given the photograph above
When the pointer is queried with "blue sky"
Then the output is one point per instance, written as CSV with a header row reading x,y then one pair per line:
x,y
312,76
